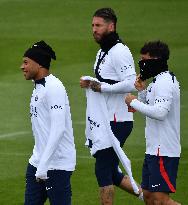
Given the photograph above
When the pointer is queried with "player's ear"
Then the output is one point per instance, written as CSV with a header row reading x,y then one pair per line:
x,y
111,27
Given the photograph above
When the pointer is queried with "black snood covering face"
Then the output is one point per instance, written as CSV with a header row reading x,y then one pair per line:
x,y
152,67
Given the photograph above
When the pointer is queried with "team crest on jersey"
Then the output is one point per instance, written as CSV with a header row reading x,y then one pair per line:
x,y
36,98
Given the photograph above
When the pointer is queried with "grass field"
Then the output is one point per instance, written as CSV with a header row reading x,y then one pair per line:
x,y
67,26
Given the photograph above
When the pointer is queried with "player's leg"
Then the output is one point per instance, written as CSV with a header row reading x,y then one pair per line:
x,y
161,198
107,195
35,192
147,197
121,131
103,172
106,161
58,187
146,180
159,179
126,186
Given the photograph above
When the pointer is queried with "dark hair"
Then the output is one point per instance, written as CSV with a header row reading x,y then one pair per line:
x,y
157,49
107,14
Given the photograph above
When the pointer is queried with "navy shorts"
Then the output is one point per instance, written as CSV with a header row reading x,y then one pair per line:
x,y
56,188
106,166
159,173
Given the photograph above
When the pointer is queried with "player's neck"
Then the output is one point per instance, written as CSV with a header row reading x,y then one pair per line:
x,y
43,72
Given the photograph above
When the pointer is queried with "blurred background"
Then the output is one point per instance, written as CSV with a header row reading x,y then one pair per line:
x,y
66,26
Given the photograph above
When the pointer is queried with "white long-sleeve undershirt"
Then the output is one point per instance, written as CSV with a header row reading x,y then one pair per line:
x,y
155,111
125,86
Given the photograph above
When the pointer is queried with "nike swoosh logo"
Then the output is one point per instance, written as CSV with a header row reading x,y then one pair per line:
x,y
155,185
48,188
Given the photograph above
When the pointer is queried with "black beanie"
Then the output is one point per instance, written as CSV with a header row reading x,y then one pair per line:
x,y
41,53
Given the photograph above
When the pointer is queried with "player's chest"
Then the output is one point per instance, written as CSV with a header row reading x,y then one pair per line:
x,y
37,103
150,97
104,65
38,96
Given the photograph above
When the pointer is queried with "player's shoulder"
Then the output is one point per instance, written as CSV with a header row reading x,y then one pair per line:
x,y
166,79
53,82
120,49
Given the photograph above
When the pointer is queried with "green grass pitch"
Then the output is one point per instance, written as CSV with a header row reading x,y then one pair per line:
x,y
66,25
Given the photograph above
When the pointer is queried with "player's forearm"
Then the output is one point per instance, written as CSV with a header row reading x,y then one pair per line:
x,y
154,112
55,136
122,87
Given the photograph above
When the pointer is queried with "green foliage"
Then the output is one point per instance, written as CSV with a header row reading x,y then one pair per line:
x,y
66,25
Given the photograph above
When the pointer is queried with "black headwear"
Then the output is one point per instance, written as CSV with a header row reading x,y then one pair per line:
x,y
41,53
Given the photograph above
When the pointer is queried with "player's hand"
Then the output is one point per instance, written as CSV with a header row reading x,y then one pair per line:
x,y
40,180
41,176
84,83
139,84
95,86
129,98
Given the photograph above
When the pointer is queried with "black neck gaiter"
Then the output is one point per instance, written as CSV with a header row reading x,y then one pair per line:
x,y
106,44
152,67
109,40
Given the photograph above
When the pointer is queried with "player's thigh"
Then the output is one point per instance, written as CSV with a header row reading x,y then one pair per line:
x,y
35,192
106,162
58,187
163,174
159,173
145,174
121,130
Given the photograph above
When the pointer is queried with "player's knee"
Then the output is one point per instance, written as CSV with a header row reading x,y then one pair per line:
x,y
147,196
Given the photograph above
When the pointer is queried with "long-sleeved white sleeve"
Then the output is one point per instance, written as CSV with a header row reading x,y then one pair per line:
x,y
155,111
125,86
56,101
159,108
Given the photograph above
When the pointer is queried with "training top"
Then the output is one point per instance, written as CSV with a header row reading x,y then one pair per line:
x,y
161,105
52,126
117,65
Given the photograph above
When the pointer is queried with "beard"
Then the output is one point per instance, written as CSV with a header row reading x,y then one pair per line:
x,y
107,40
99,37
